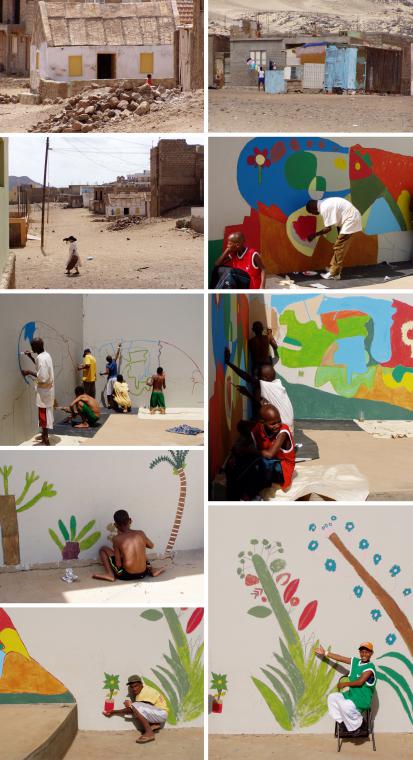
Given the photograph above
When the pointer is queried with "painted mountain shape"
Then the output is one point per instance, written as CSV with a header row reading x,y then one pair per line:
x,y
22,679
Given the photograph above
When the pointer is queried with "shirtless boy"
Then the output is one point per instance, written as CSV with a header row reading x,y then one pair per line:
x,y
157,383
84,406
127,560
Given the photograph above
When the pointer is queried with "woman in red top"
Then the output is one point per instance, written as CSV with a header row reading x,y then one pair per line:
x,y
238,255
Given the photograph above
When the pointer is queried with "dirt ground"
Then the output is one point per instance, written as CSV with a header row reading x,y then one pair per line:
x,y
183,580
301,747
170,744
153,254
184,115
244,109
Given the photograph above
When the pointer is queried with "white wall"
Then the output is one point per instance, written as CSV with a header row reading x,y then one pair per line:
x,y
118,480
4,206
59,322
241,644
155,330
79,645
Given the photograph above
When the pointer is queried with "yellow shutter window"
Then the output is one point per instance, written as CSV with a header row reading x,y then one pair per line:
x,y
75,65
37,61
146,63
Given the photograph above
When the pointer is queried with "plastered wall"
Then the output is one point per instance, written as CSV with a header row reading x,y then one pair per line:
x,y
121,480
291,580
4,204
79,646
261,186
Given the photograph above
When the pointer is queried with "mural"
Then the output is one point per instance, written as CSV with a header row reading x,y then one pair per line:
x,y
177,460
182,682
10,506
22,679
75,541
276,176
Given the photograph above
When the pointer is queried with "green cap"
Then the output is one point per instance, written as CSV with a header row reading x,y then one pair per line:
x,y
134,679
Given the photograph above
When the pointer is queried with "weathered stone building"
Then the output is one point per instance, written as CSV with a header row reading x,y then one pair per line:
x,y
15,28
177,176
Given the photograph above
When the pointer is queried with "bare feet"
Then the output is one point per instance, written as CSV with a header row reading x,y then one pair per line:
x,y
157,571
81,425
109,578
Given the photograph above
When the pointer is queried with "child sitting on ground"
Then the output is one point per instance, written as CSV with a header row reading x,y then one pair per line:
x,y
264,457
127,560
157,383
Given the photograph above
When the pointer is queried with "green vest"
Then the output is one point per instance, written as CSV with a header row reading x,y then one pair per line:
x,y
361,695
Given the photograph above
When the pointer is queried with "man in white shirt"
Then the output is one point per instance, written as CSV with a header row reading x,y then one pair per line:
x,y
45,389
340,213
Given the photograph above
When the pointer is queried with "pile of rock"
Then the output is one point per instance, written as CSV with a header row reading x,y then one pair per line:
x,y
124,223
97,107
9,98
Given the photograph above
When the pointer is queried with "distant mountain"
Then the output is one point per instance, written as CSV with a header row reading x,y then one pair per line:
x,y
13,181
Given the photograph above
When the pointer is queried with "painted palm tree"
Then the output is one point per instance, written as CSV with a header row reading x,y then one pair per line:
x,y
177,460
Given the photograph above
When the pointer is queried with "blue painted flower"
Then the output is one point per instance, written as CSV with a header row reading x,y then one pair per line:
x,y
391,638
333,517
312,527
376,615
394,570
364,544
377,559
349,526
330,565
358,590
313,545
407,591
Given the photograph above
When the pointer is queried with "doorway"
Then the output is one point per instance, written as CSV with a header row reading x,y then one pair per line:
x,y
106,66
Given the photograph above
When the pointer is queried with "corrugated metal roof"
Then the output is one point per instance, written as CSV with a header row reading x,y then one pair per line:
x,y
66,23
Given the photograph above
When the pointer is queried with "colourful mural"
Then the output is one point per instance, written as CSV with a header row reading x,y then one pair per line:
x,y
76,541
276,176
22,679
177,460
393,667
182,682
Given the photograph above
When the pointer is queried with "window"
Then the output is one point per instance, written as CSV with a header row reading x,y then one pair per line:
x,y
14,44
37,60
259,56
146,63
75,65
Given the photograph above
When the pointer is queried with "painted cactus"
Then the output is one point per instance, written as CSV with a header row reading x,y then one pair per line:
x,y
75,542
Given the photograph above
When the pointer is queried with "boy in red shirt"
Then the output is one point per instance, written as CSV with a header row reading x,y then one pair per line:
x,y
238,255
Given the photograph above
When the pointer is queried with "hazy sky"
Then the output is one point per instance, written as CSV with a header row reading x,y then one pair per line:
x,y
79,159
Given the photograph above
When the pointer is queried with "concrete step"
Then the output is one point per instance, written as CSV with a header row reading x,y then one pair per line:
x,y
37,732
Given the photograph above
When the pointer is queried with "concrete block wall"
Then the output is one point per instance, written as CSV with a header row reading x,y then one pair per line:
x,y
176,175
241,74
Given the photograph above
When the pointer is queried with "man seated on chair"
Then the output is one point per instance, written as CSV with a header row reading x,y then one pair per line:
x,y
347,708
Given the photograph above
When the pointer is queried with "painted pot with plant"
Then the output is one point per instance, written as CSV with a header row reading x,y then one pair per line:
x,y
111,685
75,542
220,686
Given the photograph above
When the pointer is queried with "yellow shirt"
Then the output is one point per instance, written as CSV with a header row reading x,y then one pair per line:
x,y
154,697
89,374
121,394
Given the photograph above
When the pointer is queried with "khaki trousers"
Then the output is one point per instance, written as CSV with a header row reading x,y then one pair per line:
x,y
340,250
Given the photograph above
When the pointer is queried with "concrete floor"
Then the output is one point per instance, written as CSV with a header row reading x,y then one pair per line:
x,y
386,463
170,744
307,747
24,729
183,581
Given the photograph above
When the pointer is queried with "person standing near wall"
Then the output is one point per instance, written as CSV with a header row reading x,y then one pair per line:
x,y
88,369
45,388
261,79
340,213
111,372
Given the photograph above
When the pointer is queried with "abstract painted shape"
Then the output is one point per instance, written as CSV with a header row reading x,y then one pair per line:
x,y
23,680
305,226
380,218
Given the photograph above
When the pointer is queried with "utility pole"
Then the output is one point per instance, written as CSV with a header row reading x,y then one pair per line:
x,y
44,193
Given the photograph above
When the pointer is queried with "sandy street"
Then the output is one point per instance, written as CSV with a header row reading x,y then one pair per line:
x,y
302,747
244,109
170,744
153,254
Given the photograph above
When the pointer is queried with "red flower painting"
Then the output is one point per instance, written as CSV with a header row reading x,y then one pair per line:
x,y
259,159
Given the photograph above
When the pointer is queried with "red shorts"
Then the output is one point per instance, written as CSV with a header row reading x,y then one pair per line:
x,y
42,418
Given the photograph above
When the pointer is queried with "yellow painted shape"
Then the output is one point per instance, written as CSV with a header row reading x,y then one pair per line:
x,y
340,163
403,203
75,65
12,642
146,63
405,384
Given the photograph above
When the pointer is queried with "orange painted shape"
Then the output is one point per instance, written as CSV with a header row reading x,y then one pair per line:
x,y
22,676
329,319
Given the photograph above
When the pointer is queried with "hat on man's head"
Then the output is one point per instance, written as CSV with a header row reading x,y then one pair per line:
x,y
70,239
133,679
367,645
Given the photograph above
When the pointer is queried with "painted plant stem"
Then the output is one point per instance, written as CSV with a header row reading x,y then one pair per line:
x,y
275,601
396,615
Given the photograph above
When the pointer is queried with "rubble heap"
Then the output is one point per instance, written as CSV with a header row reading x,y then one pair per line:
x,y
124,222
98,106
9,98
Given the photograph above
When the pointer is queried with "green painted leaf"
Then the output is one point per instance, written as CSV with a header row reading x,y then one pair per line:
x,y
400,680
168,690
399,656
64,531
85,530
172,716
282,692
73,528
277,708
56,539
260,612
286,681
152,615
89,541
386,679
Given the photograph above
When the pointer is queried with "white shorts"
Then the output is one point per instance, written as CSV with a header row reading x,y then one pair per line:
x,y
344,711
151,713
109,386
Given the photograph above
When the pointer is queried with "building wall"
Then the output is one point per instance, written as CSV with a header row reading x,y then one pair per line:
x,y
54,64
118,209
74,643
340,357
114,476
268,203
287,584
4,203
177,171
241,74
